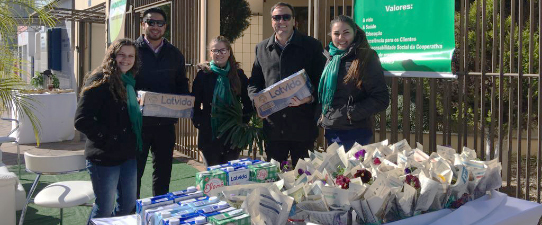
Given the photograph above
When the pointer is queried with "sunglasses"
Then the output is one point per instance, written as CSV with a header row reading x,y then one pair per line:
x,y
151,23
285,17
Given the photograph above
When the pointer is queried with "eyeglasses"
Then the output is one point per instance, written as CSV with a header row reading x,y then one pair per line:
x,y
219,51
151,23
285,17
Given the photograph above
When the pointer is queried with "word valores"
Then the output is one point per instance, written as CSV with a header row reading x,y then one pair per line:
x,y
393,8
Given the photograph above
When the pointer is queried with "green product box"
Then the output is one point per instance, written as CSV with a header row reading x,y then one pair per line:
x,y
263,173
224,216
210,180
239,220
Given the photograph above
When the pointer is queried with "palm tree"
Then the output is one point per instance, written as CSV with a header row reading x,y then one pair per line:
x,y
14,13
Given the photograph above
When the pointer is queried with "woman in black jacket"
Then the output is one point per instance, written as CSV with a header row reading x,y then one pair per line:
x,y
108,114
352,87
218,83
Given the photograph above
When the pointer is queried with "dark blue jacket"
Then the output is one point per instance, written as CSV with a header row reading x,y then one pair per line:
x,y
105,122
353,107
203,90
273,64
162,73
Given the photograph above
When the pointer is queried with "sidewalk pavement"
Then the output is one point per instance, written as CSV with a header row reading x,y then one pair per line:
x,y
8,151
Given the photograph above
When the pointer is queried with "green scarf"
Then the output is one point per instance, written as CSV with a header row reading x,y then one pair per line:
x,y
222,95
328,81
133,108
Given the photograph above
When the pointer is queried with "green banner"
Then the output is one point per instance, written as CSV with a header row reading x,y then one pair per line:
x,y
117,9
410,35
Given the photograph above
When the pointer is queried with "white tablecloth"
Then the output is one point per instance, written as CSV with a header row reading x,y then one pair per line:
x,y
55,113
488,210
496,208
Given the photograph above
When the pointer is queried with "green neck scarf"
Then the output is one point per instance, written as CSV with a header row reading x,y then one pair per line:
x,y
133,108
222,95
328,81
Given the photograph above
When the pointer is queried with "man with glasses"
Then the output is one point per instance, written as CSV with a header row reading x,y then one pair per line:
x,y
293,129
163,71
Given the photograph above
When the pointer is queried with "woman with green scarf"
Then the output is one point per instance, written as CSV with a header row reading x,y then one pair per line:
x,y
217,85
352,87
108,114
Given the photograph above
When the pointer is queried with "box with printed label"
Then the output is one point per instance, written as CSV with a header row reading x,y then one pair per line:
x,y
166,105
237,175
243,219
279,95
209,180
263,173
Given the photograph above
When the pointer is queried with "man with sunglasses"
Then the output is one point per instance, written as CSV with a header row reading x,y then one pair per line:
x,y
163,71
292,130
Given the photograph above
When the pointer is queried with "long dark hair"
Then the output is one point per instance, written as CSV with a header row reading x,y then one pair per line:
x,y
111,72
235,82
363,51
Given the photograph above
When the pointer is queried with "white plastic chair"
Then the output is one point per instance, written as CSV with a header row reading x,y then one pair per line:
x,y
8,139
61,194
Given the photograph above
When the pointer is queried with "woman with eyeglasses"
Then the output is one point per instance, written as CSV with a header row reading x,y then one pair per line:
x,y
217,84
108,114
352,87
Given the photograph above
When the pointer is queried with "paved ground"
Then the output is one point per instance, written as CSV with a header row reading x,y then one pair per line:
x,y
8,151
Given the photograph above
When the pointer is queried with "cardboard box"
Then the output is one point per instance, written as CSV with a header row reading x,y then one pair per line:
x,y
237,175
209,180
263,173
279,95
166,105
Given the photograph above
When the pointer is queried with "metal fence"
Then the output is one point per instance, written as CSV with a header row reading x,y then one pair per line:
x,y
493,106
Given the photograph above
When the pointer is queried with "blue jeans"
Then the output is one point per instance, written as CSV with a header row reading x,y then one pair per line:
x,y
115,188
347,138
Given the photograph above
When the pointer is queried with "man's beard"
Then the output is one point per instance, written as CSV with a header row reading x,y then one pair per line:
x,y
150,36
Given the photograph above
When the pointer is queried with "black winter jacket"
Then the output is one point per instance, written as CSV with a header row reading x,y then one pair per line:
x,y
162,73
352,107
203,90
105,122
272,65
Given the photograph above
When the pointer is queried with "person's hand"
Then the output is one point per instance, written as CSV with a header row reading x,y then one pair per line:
x,y
297,102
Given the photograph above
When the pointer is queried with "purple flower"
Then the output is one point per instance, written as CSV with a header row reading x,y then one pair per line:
x,y
307,172
360,154
300,171
285,166
413,181
343,181
407,171
364,174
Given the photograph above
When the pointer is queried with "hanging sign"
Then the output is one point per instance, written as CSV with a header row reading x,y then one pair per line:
x,y
117,10
413,38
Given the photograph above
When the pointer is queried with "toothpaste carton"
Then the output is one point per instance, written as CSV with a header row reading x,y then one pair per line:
x,y
200,204
200,220
183,219
243,219
154,215
180,212
279,95
166,105
237,175
149,203
263,172
225,216
214,209
240,162
210,180
180,196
